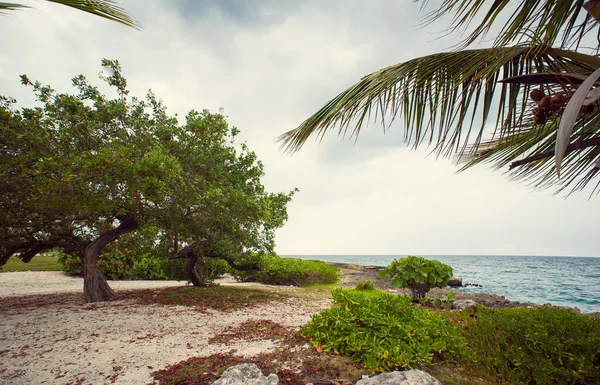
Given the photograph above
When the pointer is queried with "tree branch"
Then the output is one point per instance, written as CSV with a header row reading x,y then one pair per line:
x,y
188,251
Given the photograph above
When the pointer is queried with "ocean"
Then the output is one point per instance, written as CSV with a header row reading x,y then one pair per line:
x,y
561,281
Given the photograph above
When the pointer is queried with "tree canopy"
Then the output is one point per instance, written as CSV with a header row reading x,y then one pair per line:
x,y
478,103
81,170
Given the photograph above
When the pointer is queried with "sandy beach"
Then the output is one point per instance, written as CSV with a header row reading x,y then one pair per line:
x,y
48,335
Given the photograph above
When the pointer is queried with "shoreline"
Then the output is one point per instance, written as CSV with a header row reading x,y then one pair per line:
x,y
351,273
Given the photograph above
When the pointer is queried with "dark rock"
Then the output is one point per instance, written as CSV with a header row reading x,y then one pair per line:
x,y
411,377
246,374
455,282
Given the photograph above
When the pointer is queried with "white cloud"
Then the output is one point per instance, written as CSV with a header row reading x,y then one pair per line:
x,y
272,69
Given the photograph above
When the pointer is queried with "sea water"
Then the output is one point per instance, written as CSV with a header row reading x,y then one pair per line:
x,y
561,281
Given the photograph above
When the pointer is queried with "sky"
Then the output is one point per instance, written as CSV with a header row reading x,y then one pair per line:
x,y
270,64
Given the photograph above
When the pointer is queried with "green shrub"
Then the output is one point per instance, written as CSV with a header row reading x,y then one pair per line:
x,y
275,270
383,332
211,268
538,346
418,274
365,285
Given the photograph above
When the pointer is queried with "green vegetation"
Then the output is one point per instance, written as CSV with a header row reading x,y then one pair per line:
x,y
365,285
41,263
418,274
383,333
539,345
444,302
141,255
275,270
80,171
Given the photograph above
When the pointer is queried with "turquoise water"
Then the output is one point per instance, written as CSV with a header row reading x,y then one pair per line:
x,y
561,281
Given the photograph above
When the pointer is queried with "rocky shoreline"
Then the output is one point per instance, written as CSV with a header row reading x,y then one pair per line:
x,y
350,274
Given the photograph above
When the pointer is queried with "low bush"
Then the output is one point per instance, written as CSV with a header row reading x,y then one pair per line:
x,y
383,332
418,274
125,264
538,346
275,270
122,264
365,285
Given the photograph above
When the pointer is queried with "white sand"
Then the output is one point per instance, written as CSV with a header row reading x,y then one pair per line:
x,y
41,282
117,342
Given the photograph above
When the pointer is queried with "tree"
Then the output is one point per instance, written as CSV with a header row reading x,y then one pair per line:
x,y
447,99
82,170
418,274
106,9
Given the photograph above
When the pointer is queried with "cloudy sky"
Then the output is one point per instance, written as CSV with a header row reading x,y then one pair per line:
x,y
272,63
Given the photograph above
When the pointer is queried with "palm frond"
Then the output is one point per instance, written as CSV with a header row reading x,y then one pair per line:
x,y
437,95
11,7
530,154
107,9
454,100
558,22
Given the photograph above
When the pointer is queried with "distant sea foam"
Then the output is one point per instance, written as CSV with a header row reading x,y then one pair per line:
x,y
561,281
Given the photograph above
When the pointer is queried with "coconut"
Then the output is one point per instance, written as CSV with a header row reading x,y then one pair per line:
x,y
558,99
539,119
546,101
538,111
536,95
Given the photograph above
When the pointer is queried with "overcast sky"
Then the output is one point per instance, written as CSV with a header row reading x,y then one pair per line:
x,y
270,64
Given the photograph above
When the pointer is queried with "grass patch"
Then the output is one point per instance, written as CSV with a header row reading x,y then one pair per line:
x,y
38,263
222,298
538,345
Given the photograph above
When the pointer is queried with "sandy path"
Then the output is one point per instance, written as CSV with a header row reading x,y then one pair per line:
x,y
117,342
40,282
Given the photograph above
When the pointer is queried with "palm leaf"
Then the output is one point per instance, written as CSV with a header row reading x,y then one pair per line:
x,y
559,22
11,7
437,95
448,99
107,9
569,118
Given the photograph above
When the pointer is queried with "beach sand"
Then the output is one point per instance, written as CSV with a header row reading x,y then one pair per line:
x,y
48,335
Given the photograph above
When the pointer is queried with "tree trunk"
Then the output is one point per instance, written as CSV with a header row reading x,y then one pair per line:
x,y
95,287
190,269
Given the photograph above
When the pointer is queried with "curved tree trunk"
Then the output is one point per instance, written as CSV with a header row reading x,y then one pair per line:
x,y
190,269
95,287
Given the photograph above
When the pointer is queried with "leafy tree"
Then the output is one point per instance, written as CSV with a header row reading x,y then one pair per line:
x,y
107,9
450,99
418,274
82,170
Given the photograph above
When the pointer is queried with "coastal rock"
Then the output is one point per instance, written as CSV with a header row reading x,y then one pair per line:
x,y
455,282
411,377
460,304
246,374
